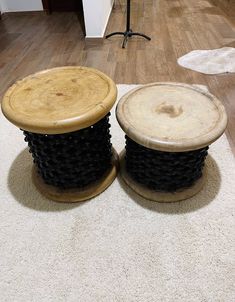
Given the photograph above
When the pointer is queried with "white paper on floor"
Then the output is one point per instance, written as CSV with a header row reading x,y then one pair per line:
x,y
214,61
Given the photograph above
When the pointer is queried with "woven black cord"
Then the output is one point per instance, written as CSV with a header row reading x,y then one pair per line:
x,y
164,171
75,159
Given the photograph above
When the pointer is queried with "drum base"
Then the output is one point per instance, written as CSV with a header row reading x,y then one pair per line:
x,y
159,196
76,195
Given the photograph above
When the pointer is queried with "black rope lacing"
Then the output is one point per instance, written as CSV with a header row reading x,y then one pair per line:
x,y
164,171
75,159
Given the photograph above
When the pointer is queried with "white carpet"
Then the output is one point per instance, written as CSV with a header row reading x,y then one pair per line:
x,y
213,61
117,247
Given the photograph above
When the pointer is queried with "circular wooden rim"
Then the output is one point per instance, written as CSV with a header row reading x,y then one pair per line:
x,y
68,124
160,196
167,145
77,195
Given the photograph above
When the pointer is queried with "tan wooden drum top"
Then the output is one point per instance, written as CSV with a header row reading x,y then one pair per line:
x,y
171,117
59,100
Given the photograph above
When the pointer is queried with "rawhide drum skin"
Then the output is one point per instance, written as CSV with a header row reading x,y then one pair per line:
x,y
64,114
169,127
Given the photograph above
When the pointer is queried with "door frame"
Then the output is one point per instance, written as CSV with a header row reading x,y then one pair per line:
x,y
47,6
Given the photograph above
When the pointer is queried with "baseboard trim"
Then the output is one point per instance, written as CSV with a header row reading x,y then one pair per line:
x,y
23,13
94,40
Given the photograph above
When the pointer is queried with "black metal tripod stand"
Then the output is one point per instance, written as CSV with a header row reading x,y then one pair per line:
x,y
128,33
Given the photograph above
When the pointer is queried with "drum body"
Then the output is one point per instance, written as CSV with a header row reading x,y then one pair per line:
x,y
169,127
64,114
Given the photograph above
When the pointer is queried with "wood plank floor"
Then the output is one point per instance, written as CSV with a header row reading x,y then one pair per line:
x,y
29,43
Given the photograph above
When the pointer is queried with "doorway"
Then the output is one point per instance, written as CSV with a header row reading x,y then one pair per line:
x,y
76,6
62,5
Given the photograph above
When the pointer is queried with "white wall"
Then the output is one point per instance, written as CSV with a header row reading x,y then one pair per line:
x,y
20,5
96,14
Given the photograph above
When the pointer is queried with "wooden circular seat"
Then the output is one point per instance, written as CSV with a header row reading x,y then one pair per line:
x,y
59,100
64,115
168,127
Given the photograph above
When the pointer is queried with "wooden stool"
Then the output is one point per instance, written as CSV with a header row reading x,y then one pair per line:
x,y
64,113
168,127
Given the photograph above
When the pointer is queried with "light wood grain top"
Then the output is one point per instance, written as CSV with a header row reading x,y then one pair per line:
x,y
59,100
171,117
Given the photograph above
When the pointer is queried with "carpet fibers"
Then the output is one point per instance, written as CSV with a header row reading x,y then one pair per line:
x,y
117,247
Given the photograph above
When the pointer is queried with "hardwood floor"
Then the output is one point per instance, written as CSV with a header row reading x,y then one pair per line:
x,y
29,43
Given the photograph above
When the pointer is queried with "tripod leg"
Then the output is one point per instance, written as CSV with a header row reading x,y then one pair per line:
x,y
114,34
141,35
125,41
